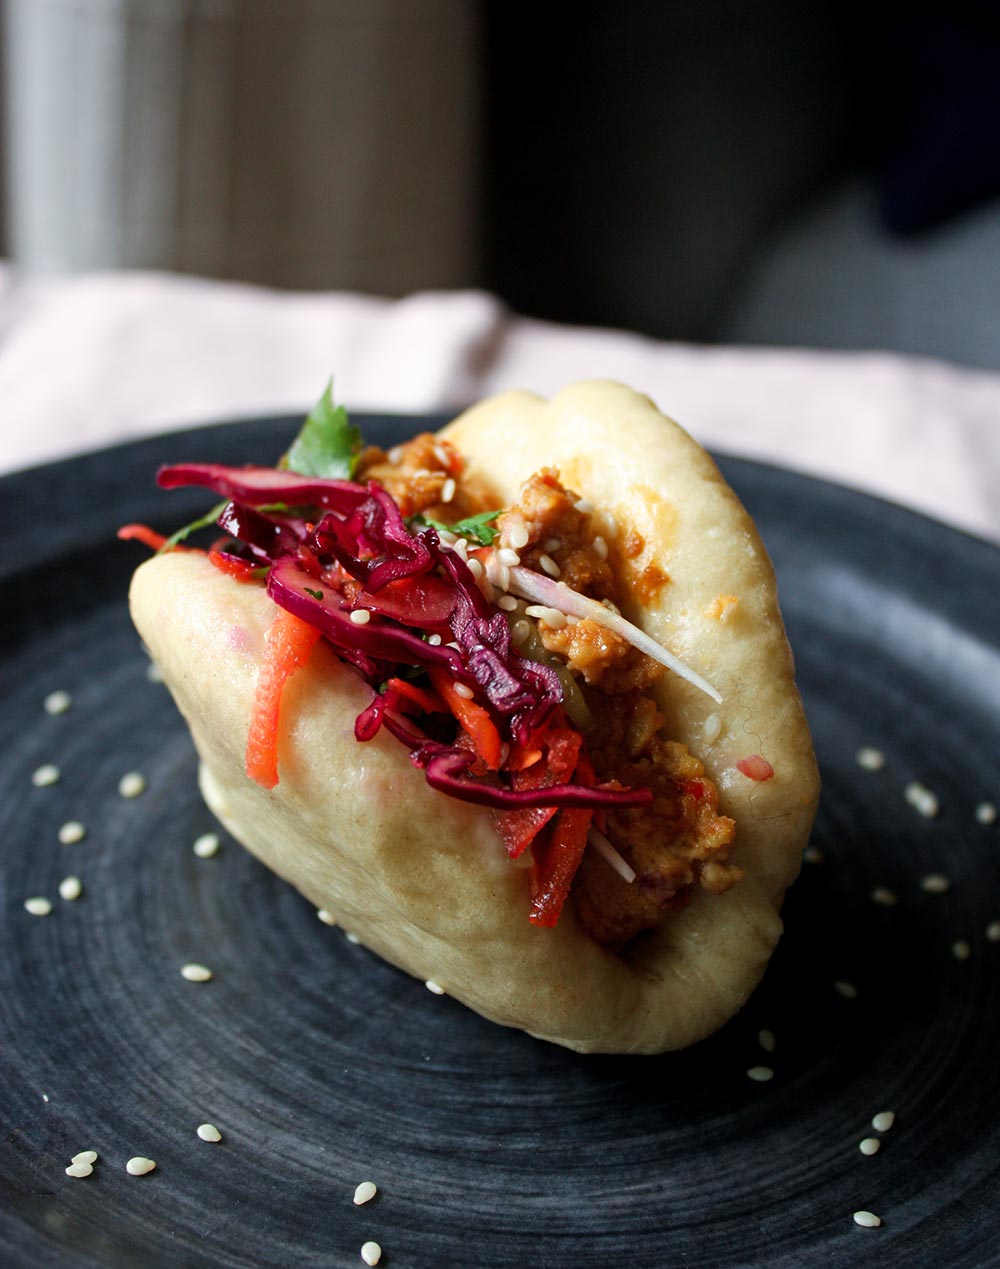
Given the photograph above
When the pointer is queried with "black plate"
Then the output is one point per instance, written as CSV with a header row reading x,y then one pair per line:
x,y
323,1067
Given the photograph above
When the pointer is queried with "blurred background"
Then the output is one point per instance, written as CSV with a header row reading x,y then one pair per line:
x,y
779,218
746,171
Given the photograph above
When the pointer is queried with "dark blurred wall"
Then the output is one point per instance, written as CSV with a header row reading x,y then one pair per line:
x,y
639,152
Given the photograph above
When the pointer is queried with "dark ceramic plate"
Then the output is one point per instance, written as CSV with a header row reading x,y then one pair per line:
x,y
323,1067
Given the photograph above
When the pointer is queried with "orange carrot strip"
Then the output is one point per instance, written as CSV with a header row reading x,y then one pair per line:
x,y
147,536
429,702
472,717
287,645
242,570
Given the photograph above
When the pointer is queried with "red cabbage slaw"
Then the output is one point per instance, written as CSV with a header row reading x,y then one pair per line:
x,y
392,598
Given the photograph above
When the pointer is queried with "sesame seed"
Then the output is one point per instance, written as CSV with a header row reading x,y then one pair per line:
x,y
867,1220
361,616
548,565
922,799
84,1156
326,917
986,813
812,855
351,936
434,640
463,690
45,775
507,602
610,523
520,631
132,784
206,845
476,568
584,506
38,906
138,1165
371,1253
766,1041
760,1074
79,1169
712,728
434,987
72,832
57,702
884,1120
195,973
884,897
70,888
448,490
208,1132
552,544
154,673
441,454
600,548
518,536
869,1146
961,949
935,883
395,455
993,931
508,557
870,759
365,1192
847,990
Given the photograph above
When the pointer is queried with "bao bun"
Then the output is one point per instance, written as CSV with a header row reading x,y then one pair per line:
x,y
422,879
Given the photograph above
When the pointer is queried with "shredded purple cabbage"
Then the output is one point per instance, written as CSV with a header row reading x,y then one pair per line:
x,y
358,556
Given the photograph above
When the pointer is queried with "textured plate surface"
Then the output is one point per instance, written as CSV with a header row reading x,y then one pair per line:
x,y
323,1067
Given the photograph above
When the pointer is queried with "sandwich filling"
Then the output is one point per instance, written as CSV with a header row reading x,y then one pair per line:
x,y
496,652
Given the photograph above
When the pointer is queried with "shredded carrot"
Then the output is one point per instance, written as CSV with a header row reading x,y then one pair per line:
x,y
287,645
473,717
242,570
147,536
429,702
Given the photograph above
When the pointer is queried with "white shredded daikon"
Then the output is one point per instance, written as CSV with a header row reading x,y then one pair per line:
x,y
603,847
545,590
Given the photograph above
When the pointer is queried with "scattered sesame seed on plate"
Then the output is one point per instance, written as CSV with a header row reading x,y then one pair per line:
x,y
154,673
760,1074
922,799
812,855
138,1165
70,888
45,775
961,949
766,1040
365,1192
870,759
57,702
846,990
351,936
79,1169
434,987
195,973
206,845
870,1145
84,1156
37,905
884,897
986,813
209,1132
132,784
935,883
993,931
72,832
326,917
371,1253
884,1120
867,1220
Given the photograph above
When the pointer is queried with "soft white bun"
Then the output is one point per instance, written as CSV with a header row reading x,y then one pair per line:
x,y
423,880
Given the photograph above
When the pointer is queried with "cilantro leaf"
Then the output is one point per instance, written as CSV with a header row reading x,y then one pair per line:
x,y
476,528
327,446
208,518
